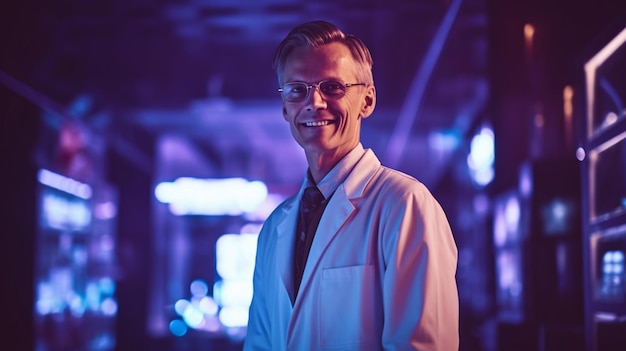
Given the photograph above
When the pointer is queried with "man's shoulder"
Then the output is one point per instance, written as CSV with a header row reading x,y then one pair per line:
x,y
370,162
397,175
396,178
394,184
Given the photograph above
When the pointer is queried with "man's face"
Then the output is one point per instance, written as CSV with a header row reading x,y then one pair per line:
x,y
325,126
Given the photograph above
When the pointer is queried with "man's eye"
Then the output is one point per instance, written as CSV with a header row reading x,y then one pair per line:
x,y
332,88
297,89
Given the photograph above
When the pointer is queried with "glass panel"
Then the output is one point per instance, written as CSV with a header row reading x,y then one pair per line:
x,y
609,91
608,177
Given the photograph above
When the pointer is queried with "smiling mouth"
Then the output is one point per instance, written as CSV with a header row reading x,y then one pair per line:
x,y
316,124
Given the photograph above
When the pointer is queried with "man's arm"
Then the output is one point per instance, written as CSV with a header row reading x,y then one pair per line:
x,y
419,287
258,333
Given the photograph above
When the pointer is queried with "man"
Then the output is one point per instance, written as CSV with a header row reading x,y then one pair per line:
x,y
374,269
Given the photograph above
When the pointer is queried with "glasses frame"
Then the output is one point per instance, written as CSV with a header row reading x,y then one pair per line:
x,y
317,85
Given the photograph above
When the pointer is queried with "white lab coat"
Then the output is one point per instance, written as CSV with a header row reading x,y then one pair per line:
x,y
380,274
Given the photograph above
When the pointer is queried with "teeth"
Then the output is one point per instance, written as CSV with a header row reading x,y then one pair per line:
x,y
316,124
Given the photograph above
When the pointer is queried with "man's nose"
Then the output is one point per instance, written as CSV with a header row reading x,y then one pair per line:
x,y
315,98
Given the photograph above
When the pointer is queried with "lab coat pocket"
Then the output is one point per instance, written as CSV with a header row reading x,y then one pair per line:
x,y
347,307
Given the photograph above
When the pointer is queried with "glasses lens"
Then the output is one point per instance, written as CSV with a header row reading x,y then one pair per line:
x,y
294,91
297,92
332,89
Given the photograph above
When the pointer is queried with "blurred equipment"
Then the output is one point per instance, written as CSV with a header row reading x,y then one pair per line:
x,y
538,257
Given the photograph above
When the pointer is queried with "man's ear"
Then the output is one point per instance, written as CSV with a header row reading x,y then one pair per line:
x,y
369,102
285,112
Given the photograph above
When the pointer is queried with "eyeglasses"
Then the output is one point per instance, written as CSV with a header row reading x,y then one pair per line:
x,y
330,90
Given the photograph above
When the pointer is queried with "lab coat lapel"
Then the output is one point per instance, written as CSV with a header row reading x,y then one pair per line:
x,y
284,245
340,207
338,211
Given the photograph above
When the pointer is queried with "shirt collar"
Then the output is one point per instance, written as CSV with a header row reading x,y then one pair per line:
x,y
338,173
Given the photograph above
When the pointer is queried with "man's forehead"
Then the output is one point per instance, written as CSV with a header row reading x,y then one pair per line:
x,y
333,50
325,58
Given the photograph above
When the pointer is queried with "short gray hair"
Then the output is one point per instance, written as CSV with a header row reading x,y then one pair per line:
x,y
319,33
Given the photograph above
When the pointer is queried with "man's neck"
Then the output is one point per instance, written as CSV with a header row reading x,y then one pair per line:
x,y
319,169
321,164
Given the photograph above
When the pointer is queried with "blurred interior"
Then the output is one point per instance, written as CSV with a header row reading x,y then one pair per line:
x,y
143,146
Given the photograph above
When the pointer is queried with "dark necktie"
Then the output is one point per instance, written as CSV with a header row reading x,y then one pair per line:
x,y
309,215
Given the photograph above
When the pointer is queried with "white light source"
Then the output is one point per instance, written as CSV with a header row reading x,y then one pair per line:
x,y
228,196
64,183
180,306
63,213
193,316
208,306
234,317
234,255
235,260
481,157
